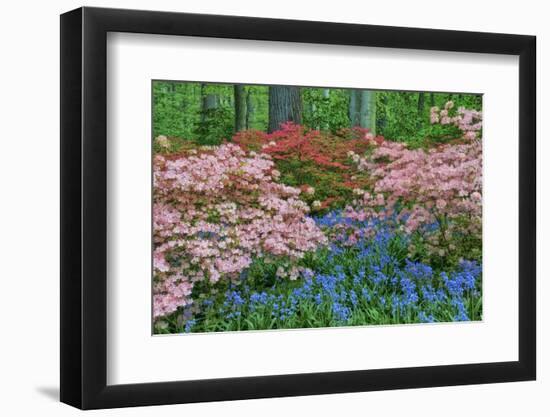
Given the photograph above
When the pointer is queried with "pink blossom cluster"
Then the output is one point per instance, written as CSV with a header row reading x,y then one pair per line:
x,y
442,186
213,213
468,121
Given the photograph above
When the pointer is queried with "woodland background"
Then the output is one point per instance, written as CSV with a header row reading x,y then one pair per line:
x,y
209,112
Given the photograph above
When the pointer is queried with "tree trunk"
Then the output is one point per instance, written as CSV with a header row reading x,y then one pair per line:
x,y
382,116
421,101
208,102
432,100
240,107
313,111
326,98
368,110
203,104
285,105
354,108
249,108
211,102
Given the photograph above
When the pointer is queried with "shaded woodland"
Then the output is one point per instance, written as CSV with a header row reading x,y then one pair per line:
x,y
208,113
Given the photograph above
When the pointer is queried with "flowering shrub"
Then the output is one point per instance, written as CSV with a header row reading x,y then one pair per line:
x,y
213,212
310,158
305,158
165,145
251,140
440,186
469,121
295,142
377,285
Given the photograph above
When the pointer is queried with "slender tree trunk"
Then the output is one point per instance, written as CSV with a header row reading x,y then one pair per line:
x,y
432,100
203,103
285,105
240,107
421,101
209,102
382,116
313,112
368,110
354,108
249,108
326,99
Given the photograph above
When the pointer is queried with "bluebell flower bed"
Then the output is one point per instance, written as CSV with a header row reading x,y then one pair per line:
x,y
371,281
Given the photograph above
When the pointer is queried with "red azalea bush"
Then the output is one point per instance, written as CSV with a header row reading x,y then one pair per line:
x,y
294,141
310,158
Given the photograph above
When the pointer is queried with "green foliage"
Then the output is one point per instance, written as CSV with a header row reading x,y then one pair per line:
x,y
259,110
327,182
176,108
179,111
404,117
175,144
325,109
398,115
456,247
215,126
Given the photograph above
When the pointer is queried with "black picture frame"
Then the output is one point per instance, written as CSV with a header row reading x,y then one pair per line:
x,y
84,207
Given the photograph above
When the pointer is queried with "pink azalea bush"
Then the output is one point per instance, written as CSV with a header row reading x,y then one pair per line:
x,y
417,188
213,213
469,121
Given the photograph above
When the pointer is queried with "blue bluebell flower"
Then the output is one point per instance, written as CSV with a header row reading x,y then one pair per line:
x,y
318,299
233,299
189,325
425,318
340,312
366,294
353,297
461,315
429,294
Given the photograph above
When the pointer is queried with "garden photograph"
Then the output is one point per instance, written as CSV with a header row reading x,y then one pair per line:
x,y
293,207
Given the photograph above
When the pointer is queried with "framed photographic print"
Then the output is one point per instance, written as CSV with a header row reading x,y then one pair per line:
x,y
257,208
